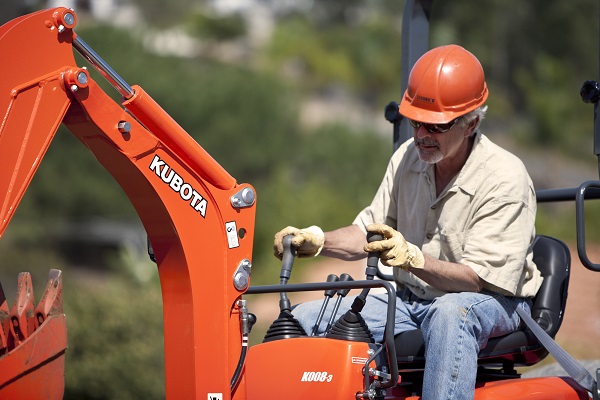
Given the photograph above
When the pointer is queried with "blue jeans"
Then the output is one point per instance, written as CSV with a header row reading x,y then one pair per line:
x,y
454,327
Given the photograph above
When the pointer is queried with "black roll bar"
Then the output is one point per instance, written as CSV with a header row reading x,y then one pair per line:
x,y
415,42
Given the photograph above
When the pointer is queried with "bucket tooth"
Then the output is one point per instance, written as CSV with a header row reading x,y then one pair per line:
x,y
51,300
22,323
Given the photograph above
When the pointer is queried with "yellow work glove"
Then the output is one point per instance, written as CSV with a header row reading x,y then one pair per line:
x,y
394,250
308,241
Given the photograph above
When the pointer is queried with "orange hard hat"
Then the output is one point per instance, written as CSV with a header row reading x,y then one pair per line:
x,y
445,83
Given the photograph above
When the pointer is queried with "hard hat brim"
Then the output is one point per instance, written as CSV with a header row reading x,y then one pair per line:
x,y
408,110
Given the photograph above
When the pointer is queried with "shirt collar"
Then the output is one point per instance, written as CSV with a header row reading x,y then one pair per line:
x,y
471,173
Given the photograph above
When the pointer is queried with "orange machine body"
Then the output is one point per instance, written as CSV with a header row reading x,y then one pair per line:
x,y
318,368
301,368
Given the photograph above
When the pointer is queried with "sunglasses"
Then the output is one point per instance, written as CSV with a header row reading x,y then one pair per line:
x,y
434,128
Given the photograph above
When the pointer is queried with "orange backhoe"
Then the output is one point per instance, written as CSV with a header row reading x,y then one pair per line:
x,y
200,226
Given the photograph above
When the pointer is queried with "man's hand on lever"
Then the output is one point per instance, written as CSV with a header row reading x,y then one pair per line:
x,y
308,242
394,249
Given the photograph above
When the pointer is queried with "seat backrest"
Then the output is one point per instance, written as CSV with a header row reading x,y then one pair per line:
x,y
553,259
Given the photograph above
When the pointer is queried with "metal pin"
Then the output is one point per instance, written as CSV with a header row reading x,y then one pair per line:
x,y
124,127
69,19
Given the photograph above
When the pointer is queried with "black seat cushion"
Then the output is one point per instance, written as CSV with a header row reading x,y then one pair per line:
x,y
553,259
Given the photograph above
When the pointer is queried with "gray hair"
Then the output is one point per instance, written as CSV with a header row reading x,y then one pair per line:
x,y
479,112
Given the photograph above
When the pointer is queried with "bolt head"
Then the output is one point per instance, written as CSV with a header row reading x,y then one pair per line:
x,y
124,127
82,78
240,281
246,264
69,19
248,196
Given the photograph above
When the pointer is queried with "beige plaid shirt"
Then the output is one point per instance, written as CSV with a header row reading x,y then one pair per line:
x,y
484,218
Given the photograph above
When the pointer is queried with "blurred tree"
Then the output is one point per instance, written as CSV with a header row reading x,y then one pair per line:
x,y
363,57
10,9
115,340
536,55
332,175
206,25
334,12
70,183
159,14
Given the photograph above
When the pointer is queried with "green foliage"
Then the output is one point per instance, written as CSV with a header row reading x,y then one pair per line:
x,y
350,163
318,60
160,14
242,118
69,167
536,55
334,12
207,26
331,177
115,340
363,57
562,120
558,220
10,9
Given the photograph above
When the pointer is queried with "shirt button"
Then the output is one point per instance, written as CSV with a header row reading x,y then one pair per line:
x,y
429,236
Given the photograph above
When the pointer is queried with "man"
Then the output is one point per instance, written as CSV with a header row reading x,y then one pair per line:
x,y
457,215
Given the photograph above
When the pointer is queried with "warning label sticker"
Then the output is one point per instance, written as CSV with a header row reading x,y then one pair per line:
x,y
232,235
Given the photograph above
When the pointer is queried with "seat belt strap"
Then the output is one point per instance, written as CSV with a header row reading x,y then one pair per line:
x,y
577,371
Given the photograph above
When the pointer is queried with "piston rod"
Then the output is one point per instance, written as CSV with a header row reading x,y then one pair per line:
x,y
111,76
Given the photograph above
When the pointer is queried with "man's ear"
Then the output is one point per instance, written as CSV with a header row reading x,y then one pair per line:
x,y
471,128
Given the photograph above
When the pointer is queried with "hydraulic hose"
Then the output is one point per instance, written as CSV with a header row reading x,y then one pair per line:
x,y
235,379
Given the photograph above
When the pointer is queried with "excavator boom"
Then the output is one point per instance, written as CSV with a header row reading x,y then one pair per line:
x,y
199,220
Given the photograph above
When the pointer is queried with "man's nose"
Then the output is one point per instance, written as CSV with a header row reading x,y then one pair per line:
x,y
421,133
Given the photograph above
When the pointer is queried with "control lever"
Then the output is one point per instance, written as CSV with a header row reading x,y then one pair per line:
x,y
351,325
370,272
328,295
341,294
287,262
373,256
285,326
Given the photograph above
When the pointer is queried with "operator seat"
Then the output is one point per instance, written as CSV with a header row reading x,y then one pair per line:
x,y
521,348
